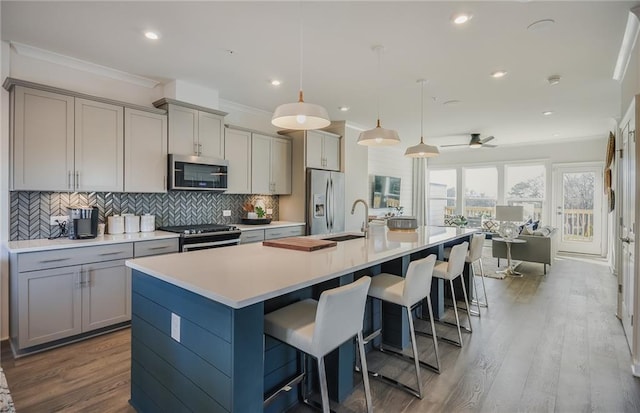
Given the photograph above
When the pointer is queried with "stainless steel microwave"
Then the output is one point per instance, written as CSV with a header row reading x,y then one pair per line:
x,y
197,173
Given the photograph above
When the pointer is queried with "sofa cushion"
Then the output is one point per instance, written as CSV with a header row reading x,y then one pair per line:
x,y
542,231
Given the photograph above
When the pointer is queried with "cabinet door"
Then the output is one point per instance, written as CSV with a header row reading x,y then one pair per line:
x,y
253,235
237,151
183,130
42,140
210,138
145,151
331,151
106,294
260,164
281,166
49,305
99,146
314,150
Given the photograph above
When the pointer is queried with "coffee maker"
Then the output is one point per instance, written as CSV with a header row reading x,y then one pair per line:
x,y
83,222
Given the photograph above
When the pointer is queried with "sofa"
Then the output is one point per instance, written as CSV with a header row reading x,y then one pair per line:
x,y
540,247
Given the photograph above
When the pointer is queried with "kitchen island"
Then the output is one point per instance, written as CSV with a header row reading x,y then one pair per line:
x,y
197,323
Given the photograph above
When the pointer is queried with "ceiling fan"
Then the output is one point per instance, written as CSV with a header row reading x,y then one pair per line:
x,y
476,142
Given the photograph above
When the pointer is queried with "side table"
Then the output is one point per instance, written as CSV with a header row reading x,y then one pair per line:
x,y
510,270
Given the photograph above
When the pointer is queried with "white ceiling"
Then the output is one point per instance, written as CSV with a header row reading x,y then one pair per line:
x,y
340,67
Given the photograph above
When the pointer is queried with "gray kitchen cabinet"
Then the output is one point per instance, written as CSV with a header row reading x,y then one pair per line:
x,y
58,294
270,165
155,247
99,146
257,235
322,150
237,151
43,134
253,235
145,151
193,130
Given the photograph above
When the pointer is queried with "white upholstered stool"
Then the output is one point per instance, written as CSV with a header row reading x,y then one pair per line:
x,y
319,327
474,255
407,292
450,270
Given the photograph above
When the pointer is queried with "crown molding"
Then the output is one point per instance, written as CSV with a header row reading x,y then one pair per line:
x,y
628,43
239,107
82,65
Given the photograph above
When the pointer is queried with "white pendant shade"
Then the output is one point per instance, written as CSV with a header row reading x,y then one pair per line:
x,y
422,150
300,116
379,136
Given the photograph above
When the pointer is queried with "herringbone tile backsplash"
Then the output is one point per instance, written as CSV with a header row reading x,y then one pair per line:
x,y
30,211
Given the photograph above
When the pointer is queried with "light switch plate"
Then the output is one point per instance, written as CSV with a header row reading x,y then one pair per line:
x,y
175,327
59,218
226,213
269,211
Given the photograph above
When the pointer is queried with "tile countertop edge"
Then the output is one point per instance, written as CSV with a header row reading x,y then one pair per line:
x,y
138,264
36,245
273,224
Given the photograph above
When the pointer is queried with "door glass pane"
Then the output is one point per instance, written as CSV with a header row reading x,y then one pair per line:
x,y
578,190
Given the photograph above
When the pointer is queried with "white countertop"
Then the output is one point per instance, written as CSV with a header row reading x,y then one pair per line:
x,y
243,275
45,244
273,224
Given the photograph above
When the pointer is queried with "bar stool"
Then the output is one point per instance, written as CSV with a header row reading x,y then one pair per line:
x,y
450,270
474,255
407,292
318,327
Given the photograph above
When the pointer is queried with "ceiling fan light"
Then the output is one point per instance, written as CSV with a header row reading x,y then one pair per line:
x,y
475,145
300,116
379,136
422,150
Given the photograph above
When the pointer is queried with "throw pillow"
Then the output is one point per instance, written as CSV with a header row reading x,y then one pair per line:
x,y
536,224
528,230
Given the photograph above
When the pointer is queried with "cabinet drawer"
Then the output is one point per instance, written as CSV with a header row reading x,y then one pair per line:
x,y
255,235
273,233
32,261
156,247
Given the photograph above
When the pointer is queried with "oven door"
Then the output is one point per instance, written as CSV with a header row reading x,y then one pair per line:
x,y
209,244
196,242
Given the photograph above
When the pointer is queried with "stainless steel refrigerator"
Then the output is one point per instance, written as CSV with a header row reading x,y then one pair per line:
x,y
325,202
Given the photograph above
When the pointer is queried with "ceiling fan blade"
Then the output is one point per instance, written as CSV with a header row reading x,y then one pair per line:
x,y
459,144
484,145
487,139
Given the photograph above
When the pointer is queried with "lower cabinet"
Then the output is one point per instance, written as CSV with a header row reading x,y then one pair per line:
x,y
106,294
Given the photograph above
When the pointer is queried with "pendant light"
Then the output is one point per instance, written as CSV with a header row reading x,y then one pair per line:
x,y
422,150
379,136
300,115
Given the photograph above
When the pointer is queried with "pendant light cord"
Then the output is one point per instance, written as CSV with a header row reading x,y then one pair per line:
x,y
301,46
422,111
379,50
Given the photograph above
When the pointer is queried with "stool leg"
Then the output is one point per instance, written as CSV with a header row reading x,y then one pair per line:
x,y
324,391
416,359
455,310
365,373
484,289
466,301
433,333
476,301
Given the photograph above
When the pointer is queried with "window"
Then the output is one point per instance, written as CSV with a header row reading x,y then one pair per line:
x,y
480,194
525,185
442,195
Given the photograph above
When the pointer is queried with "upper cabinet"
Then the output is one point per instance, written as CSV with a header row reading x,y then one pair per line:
x,y
322,150
237,151
194,130
270,165
145,152
67,141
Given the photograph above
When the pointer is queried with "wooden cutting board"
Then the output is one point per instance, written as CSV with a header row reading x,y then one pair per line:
x,y
300,244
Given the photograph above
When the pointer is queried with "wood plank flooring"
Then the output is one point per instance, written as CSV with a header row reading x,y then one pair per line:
x,y
545,344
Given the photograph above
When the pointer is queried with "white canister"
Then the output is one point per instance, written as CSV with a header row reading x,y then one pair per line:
x,y
147,223
131,223
115,224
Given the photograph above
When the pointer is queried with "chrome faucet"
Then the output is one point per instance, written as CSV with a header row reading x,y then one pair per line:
x,y
365,224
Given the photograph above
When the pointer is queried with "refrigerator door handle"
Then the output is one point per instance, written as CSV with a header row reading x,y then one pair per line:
x,y
332,204
326,206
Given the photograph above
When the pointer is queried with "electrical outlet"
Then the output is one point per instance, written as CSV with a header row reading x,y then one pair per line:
x,y
175,327
226,213
59,218
269,211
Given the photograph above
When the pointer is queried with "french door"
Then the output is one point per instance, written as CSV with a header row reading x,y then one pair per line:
x,y
579,200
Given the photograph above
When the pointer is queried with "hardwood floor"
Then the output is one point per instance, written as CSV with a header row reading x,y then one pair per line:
x,y
544,344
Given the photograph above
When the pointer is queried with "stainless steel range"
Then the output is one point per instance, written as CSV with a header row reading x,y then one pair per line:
x,y
205,236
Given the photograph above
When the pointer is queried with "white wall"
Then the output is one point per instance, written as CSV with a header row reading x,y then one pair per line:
x,y
354,163
390,161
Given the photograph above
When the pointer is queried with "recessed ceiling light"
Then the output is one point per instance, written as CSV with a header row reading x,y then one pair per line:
x,y
275,82
555,135
344,108
151,35
461,18
553,80
499,73
547,113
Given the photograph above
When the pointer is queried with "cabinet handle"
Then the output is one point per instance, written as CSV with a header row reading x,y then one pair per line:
x,y
199,149
69,180
77,179
54,260
164,183
195,148
158,248
110,253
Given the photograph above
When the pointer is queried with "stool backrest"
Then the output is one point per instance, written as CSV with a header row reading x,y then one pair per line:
x,y
456,259
417,283
475,249
339,315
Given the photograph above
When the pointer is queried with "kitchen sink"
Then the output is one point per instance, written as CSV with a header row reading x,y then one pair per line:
x,y
346,237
